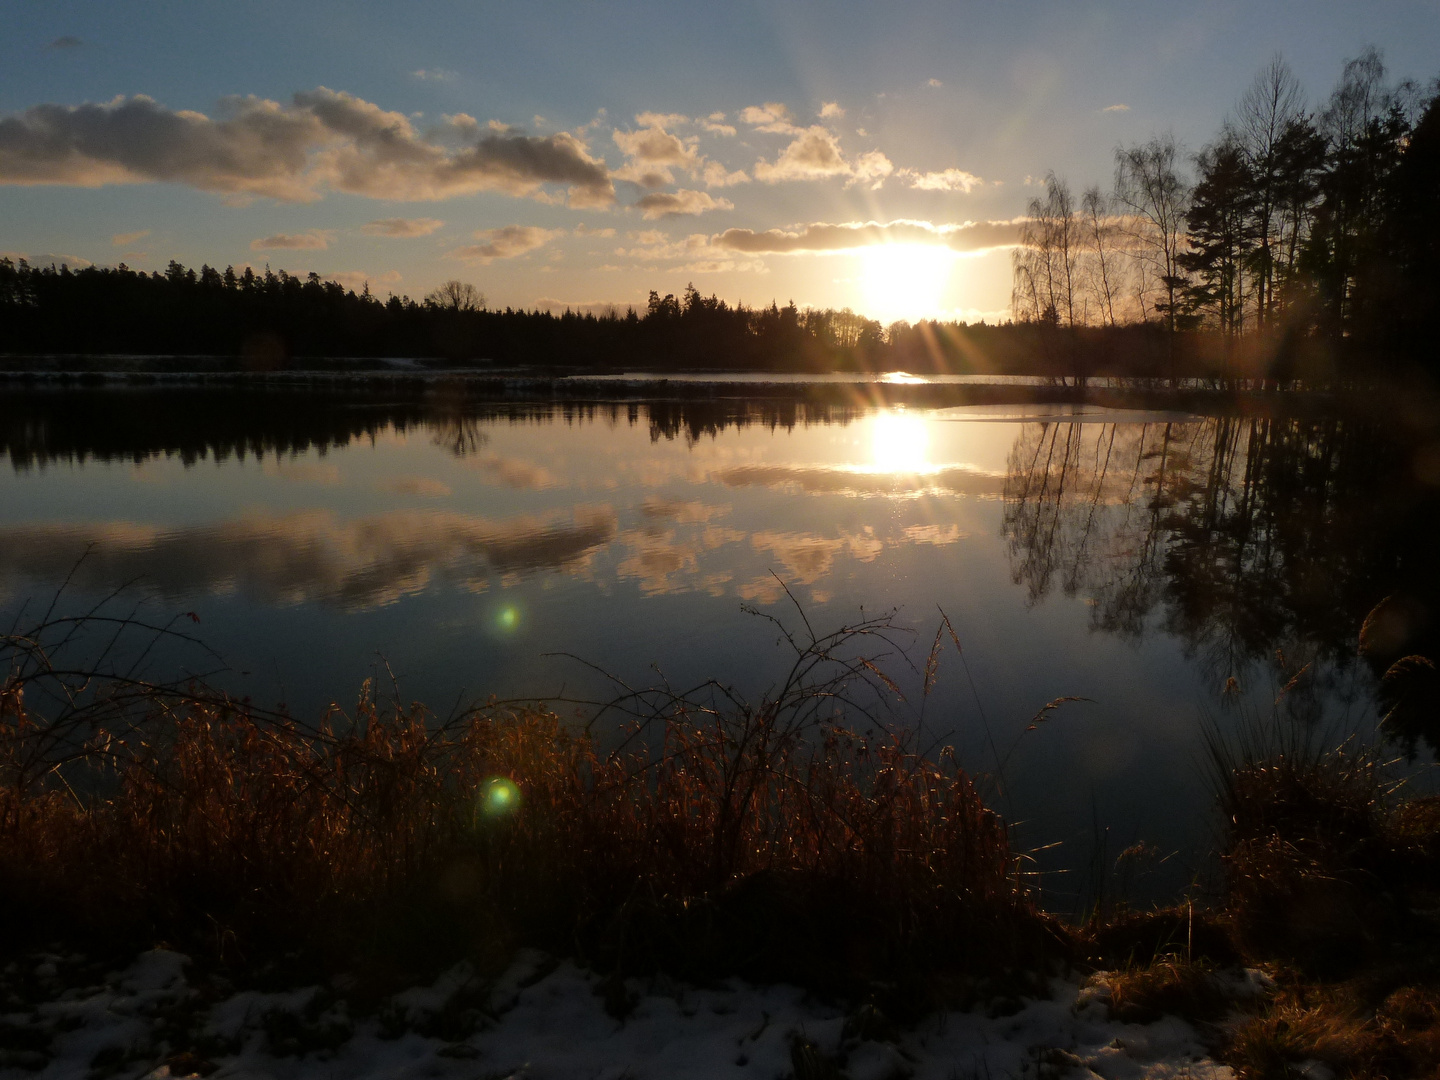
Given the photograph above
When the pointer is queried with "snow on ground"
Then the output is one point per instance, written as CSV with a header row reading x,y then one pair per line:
x,y
542,1020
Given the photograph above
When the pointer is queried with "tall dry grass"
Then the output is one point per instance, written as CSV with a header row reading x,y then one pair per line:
x,y
718,837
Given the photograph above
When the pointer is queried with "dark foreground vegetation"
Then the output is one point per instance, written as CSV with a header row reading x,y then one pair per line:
x,y
771,840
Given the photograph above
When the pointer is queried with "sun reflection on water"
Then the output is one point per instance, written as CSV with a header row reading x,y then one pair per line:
x,y
900,443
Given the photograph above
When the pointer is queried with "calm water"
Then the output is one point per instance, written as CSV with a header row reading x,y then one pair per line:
x,y
1143,560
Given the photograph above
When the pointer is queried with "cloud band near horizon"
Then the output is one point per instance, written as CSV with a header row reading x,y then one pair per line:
x,y
972,237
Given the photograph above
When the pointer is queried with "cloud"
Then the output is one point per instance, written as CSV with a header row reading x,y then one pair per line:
x,y
68,41
584,230
871,168
655,244
1116,108
716,175
433,74
945,180
670,204
322,140
505,243
655,146
772,117
125,239
655,119
314,240
831,110
715,127
47,258
934,83
969,237
816,155
401,228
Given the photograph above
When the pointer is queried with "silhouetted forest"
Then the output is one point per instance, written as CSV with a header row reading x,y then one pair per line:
x,y
1303,242
1304,250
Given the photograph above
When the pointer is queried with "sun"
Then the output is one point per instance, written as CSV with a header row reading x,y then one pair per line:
x,y
904,281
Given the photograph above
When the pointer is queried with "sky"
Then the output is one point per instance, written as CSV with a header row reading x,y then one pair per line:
x,y
839,154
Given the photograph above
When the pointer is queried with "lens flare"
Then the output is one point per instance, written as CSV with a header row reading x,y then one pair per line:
x,y
499,798
508,618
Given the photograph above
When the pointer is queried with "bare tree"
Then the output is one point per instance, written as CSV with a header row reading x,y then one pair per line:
x,y
1148,185
1045,261
457,296
1103,271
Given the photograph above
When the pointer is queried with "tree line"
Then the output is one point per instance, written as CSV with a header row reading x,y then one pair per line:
x,y
1295,224
268,319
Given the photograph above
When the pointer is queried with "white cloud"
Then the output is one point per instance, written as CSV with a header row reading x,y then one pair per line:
x,y
358,279
433,74
654,146
816,155
1116,108
871,168
716,175
934,83
655,119
831,110
504,243
322,140
944,180
47,258
772,117
584,230
971,236
125,239
313,240
715,127
670,204
401,228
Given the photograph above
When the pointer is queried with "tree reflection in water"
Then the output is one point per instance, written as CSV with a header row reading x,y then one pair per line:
x,y
1261,543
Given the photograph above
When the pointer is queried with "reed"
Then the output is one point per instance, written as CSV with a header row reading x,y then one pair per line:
x,y
771,840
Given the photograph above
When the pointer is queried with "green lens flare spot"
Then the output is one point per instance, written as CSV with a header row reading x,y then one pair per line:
x,y
499,798
508,618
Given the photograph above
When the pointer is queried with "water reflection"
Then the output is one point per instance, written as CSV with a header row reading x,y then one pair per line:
x,y
1261,544
311,557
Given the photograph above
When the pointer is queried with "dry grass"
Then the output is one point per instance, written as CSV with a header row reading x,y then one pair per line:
x,y
769,841
1331,884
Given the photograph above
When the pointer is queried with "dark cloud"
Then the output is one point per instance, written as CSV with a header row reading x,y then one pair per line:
x,y
505,243
661,204
68,41
314,240
971,236
322,139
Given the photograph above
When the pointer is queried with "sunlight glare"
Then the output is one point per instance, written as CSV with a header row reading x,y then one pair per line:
x,y
904,281
899,443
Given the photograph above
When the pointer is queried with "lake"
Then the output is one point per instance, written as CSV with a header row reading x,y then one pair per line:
x,y
1178,570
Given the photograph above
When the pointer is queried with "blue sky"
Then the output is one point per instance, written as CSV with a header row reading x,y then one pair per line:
x,y
501,143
